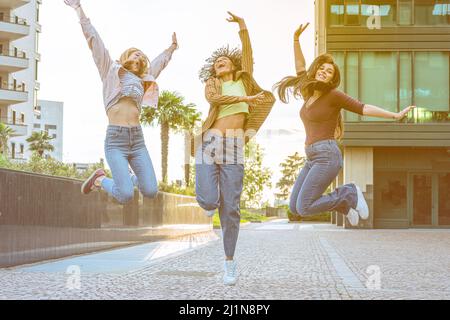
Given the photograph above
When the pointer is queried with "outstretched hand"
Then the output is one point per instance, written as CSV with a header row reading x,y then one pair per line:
x,y
234,18
175,40
300,30
258,98
73,3
399,116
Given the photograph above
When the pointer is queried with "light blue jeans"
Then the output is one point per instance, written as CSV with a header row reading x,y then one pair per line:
x,y
324,161
219,183
124,147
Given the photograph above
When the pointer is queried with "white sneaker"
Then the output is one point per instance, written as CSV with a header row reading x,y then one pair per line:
x,y
230,276
362,207
353,217
210,213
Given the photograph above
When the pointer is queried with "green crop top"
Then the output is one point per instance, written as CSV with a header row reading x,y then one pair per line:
x,y
237,89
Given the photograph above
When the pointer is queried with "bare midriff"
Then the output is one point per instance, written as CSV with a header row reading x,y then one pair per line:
x,y
124,113
227,125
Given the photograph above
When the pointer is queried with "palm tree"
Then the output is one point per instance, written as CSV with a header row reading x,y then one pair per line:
x,y
192,117
5,134
170,114
40,142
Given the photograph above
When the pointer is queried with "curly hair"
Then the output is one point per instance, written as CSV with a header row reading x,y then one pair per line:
x,y
234,54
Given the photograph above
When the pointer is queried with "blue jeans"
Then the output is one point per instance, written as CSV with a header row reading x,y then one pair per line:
x,y
219,183
124,147
324,161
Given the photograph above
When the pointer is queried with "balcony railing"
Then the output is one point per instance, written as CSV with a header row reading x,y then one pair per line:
x,y
422,115
14,53
13,87
13,19
11,121
418,115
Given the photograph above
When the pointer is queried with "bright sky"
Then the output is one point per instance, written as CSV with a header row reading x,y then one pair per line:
x,y
68,73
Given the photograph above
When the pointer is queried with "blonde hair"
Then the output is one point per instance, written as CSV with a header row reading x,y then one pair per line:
x,y
144,62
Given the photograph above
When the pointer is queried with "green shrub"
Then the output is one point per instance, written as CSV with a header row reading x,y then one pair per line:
x,y
176,189
321,217
245,217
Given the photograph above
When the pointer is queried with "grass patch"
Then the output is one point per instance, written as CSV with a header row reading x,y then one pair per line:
x,y
322,217
245,217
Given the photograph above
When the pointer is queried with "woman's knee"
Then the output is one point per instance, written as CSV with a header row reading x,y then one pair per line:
x,y
303,209
125,195
208,202
150,192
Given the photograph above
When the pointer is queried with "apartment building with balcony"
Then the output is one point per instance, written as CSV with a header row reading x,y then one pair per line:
x,y
394,53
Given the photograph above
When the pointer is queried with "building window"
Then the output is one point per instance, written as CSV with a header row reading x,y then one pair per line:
x,y
351,17
387,11
405,80
356,12
54,136
431,80
336,15
405,12
352,81
13,150
432,12
339,58
22,148
50,127
394,80
36,126
379,80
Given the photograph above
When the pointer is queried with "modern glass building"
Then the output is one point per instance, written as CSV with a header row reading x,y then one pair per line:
x,y
394,53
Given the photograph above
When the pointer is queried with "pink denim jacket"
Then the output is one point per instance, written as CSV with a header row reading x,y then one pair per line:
x,y
109,69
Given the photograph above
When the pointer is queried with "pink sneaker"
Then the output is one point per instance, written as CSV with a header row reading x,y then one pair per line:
x,y
89,184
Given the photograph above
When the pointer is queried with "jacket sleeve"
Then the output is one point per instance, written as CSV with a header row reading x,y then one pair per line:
x,y
247,51
100,54
160,62
215,98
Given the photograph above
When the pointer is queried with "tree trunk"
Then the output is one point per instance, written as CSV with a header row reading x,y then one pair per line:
x,y
187,157
164,150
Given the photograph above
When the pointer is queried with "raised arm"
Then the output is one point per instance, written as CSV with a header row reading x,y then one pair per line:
x,y
100,54
300,63
160,62
247,51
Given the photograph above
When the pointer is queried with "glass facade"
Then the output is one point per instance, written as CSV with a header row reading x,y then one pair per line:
x,y
386,9
432,12
431,80
405,12
392,12
394,80
379,80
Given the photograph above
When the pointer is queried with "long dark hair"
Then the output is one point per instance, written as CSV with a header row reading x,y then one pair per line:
x,y
303,86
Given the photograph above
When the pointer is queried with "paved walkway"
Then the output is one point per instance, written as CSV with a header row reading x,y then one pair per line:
x,y
277,260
